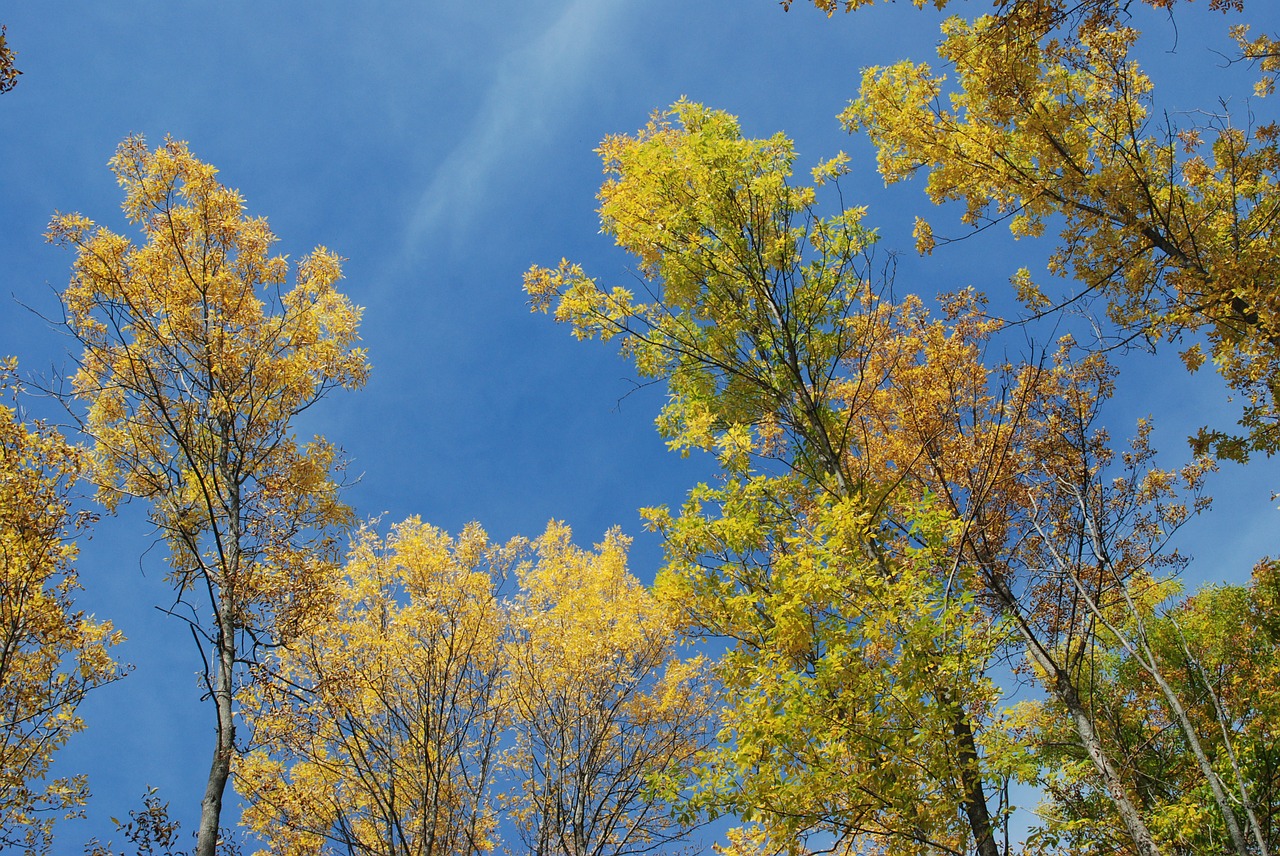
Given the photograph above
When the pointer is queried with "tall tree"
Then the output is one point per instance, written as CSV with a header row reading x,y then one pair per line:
x,y
864,446
750,320
1045,119
196,358
51,655
608,717
1066,540
377,730
1218,653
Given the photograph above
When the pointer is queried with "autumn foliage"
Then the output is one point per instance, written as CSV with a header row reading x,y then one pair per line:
x,y
925,567
894,517
51,655
424,711
195,360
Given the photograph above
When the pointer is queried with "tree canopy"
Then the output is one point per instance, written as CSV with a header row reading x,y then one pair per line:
x,y
922,593
195,360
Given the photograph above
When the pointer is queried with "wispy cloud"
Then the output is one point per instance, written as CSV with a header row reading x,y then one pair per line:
x,y
528,86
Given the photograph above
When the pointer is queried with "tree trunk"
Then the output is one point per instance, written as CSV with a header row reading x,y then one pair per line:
x,y
1129,816
975,797
1060,685
224,748
224,598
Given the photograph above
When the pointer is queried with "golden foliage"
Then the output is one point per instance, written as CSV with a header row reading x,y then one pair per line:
x,y
1044,118
608,718
376,730
196,358
423,707
891,511
51,655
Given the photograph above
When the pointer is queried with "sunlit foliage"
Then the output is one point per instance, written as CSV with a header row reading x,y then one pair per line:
x,y
1042,117
864,445
434,709
608,717
196,358
752,318
377,730
51,655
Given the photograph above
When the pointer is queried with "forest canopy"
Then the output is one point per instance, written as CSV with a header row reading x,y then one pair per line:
x,y
918,582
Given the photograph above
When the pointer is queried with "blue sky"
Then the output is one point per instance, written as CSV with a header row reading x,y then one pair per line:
x,y
442,148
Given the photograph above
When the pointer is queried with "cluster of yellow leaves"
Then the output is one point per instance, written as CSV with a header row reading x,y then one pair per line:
x,y
1009,451
421,704
377,729
1045,118
50,654
608,718
749,289
1263,50
841,689
195,359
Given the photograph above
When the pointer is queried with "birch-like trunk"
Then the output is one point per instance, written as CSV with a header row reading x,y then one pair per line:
x,y
224,746
1060,685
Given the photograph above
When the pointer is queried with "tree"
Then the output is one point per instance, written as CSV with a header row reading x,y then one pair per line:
x,y
842,685
51,655
751,322
1066,543
1047,121
195,361
381,728
377,729
1051,122
865,446
608,718
1218,653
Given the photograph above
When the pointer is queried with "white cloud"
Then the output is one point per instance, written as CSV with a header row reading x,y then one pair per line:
x,y
527,88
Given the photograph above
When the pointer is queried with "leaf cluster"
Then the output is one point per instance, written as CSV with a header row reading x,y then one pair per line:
x,y
51,655
425,705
